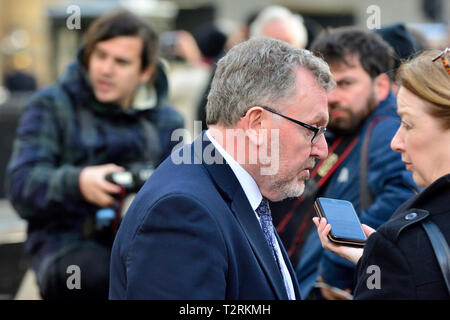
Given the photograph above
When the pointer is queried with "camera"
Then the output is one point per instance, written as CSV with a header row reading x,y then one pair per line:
x,y
132,179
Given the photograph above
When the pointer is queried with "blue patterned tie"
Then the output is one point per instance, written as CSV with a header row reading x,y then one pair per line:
x,y
265,219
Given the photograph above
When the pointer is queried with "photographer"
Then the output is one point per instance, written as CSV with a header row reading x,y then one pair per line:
x,y
106,114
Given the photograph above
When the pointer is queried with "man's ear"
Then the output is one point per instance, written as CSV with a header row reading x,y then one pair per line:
x,y
382,86
147,73
254,118
254,121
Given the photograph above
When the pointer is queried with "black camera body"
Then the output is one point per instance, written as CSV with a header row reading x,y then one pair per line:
x,y
103,225
131,180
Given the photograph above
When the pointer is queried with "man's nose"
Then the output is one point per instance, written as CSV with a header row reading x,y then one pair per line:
x,y
320,148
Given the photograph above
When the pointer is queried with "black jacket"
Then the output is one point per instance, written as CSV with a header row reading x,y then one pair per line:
x,y
400,248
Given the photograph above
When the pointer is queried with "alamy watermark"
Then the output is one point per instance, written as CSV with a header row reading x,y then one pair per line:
x,y
74,280
262,151
374,19
374,280
74,20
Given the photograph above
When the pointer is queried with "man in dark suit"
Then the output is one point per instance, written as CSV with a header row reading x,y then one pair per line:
x,y
201,228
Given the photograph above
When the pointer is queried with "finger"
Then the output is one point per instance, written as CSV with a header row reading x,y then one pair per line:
x,y
326,230
324,236
326,243
109,187
104,200
322,224
316,221
367,230
111,167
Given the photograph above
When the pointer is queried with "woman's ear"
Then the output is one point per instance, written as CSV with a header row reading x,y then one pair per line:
x,y
382,86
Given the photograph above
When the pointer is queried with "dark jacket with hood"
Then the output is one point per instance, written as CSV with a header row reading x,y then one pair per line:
x,y
63,129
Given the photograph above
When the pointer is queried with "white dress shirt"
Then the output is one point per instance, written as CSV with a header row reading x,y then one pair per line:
x,y
254,196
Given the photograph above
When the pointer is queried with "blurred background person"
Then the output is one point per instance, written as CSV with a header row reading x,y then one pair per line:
x,y
107,113
190,64
280,23
210,40
17,78
401,248
404,45
274,22
18,60
420,38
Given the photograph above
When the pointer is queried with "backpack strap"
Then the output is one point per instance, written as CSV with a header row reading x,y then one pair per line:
x,y
440,248
366,197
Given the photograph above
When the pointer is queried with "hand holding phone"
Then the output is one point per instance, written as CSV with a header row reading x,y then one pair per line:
x,y
346,228
352,254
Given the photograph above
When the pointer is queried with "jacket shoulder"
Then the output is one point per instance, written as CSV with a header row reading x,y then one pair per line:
x,y
168,118
53,98
48,106
402,220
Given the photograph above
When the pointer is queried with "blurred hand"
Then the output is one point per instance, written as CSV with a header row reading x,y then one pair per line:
x,y
186,47
95,188
333,293
348,253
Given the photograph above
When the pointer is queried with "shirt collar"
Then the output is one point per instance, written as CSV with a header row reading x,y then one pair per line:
x,y
246,181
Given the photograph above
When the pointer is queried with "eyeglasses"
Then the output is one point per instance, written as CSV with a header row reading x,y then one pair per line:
x,y
443,55
317,130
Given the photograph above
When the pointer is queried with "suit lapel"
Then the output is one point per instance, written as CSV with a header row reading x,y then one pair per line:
x,y
245,215
228,185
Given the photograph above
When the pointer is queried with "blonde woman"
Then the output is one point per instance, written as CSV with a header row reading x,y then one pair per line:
x,y
398,261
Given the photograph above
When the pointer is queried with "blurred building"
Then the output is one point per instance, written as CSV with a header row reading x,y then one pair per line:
x,y
51,30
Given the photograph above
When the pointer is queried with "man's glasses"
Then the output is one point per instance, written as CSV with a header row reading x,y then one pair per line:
x,y
317,130
443,56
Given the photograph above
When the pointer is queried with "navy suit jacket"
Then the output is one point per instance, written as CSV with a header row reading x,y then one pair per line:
x,y
191,233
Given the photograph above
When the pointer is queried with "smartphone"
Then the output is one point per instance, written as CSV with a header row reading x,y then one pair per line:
x,y
346,229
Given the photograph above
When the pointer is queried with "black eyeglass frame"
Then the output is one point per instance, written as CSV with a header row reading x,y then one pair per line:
x,y
317,130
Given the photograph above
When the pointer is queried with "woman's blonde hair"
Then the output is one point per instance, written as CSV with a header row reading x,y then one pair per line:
x,y
429,81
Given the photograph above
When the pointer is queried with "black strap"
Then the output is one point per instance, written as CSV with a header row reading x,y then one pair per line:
x,y
366,197
441,249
